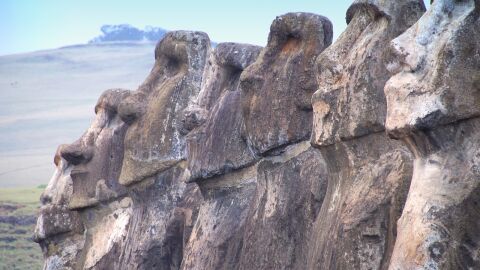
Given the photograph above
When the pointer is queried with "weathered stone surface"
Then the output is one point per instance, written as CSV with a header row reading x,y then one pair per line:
x,y
218,171
96,158
217,152
217,238
277,88
368,180
438,67
290,191
90,221
87,174
59,230
55,220
237,214
164,211
433,108
155,141
66,252
216,146
440,223
106,230
351,73
368,174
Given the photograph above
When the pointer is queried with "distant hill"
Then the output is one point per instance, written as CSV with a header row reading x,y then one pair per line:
x,y
126,32
46,99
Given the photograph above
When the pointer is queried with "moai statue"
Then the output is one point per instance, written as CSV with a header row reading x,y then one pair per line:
x,y
219,160
69,230
129,218
216,146
291,182
96,158
277,88
368,174
433,107
155,139
154,168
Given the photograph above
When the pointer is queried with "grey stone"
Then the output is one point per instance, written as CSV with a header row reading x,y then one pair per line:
x,y
215,146
368,180
368,174
350,102
154,141
97,156
437,66
433,108
277,88
216,241
290,191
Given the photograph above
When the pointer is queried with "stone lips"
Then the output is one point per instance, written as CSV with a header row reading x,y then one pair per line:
x,y
218,171
277,88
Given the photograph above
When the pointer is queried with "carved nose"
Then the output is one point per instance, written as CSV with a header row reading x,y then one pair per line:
x,y
76,153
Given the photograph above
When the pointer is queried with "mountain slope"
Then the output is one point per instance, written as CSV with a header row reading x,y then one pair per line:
x,y
46,98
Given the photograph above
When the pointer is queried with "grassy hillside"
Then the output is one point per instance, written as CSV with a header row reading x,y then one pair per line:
x,y
18,210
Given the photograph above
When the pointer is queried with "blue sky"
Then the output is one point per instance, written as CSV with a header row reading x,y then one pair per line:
x,y
28,25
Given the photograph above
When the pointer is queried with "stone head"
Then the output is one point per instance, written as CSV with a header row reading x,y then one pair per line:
x,y
277,88
437,69
155,139
215,145
351,73
95,159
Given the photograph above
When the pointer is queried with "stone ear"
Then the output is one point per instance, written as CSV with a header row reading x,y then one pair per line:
x,y
362,7
171,54
294,30
289,41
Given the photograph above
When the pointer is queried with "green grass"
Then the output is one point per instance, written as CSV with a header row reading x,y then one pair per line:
x,y
17,250
20,195
29,198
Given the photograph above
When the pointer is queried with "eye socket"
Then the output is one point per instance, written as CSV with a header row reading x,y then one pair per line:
x,y
401,58
76,154
131,108
251,82
172,66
